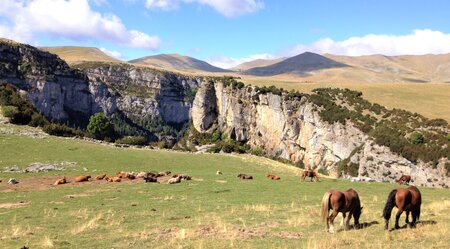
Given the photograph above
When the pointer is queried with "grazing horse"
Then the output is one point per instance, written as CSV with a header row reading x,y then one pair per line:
x,y
245,177
273,177
347,201
405,199
310,173
404,179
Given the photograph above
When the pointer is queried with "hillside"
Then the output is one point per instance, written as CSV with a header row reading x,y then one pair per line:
x,y
301,65
211,211
74,55
256,63
178,63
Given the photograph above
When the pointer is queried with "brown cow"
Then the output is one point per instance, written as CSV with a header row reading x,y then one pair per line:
x,y
82,178
100,177
245,177
404,179
61,181
273,177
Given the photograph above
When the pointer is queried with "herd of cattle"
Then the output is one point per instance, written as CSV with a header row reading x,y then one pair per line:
x,y
122,175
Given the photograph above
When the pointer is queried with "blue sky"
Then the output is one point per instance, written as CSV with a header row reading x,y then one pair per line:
x,y
227,32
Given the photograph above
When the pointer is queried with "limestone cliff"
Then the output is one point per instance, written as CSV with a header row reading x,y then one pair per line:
x,y
136,97
292,129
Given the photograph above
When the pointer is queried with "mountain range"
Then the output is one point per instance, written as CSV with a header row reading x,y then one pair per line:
x,y
305,67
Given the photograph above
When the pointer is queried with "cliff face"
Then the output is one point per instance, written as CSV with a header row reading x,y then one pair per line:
x,y
293,130
138,96
51,85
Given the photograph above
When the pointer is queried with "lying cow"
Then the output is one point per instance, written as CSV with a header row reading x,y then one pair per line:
x,y
82,178
273,177
61,181
245,176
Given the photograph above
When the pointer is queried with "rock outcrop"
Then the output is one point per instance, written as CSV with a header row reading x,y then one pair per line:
x,y
138,96
292,129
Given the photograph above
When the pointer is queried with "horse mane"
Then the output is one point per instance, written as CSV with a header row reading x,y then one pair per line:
x,y
390,203
325,205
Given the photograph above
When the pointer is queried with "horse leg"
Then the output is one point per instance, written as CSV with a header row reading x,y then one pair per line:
x,y
397,217
343,218
332,216
414,219
347,222
407,217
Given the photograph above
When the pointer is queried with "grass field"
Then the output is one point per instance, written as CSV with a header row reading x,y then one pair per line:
x,y
209,212
429,99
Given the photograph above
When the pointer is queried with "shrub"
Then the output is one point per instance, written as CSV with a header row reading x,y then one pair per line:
x,y
257,151
130,140
61,130
323,171
38,120
10,111
99,126
417,138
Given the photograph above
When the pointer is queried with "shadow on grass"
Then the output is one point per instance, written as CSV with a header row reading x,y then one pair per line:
x,y
419,223
364,225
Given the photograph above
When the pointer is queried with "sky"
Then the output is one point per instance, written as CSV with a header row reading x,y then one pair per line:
x,y
228,32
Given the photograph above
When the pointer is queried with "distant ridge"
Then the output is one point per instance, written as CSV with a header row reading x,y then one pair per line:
x,y
75,54
177,62
256,63
300,64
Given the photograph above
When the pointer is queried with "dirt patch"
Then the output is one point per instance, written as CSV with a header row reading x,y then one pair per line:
x,y
247,233
46,182
14,205
221,181
289,235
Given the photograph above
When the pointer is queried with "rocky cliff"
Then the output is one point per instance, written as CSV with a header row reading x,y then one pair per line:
x,y
292,129
334,131
136,97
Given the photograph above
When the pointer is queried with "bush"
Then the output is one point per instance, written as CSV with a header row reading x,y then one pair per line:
x,y
130,140
99,126
38,120
417,138
257,151
61,130
323,171
10,111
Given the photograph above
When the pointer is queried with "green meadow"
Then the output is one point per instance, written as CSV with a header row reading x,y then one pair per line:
x,y
211,211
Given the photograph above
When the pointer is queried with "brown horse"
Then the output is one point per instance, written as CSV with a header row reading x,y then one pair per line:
x,y
310,173
245,177
404,179
347,201
405,199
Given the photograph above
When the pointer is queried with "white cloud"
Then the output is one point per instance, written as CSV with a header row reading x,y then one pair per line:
x,y
228,8
229,62
418,42
111,53
73,19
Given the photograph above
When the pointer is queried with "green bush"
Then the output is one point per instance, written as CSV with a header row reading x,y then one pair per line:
x,y
10,111
257,151
38,120
417,138
130,140
99,126
61,130
323,171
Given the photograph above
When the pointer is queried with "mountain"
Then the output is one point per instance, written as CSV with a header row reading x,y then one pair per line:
x,y
177,62
301,64
256,63
409,68
74,54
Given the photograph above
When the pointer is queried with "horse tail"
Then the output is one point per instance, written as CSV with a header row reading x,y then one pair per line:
x,y
325,205
389,205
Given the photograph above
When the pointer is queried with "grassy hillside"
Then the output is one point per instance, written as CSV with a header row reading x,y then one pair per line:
x,y
178,63
430,99
210,211
74,55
